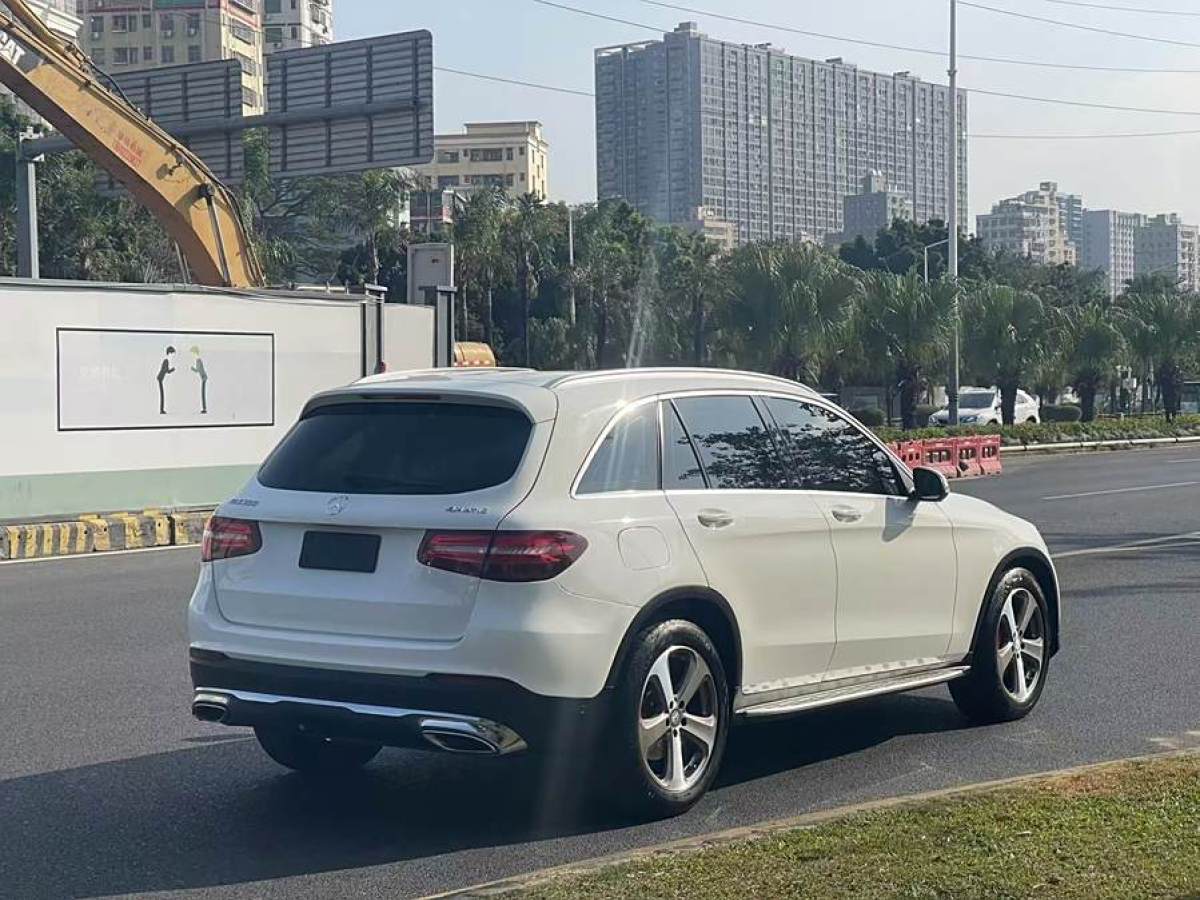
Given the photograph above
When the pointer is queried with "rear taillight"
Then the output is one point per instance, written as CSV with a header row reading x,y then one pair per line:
x,y
502,555
226,538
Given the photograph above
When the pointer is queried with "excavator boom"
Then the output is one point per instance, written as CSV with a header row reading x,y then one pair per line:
x,y
198,212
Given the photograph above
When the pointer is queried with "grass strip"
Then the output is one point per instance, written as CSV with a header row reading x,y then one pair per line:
x,y
1120,831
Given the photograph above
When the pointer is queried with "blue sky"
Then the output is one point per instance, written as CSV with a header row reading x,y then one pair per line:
x,y
524,40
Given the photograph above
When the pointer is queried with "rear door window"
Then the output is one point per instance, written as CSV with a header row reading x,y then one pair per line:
x,y
736,450
385,447
831,454
627,458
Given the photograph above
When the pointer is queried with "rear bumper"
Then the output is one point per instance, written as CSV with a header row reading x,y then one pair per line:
x,y
463,714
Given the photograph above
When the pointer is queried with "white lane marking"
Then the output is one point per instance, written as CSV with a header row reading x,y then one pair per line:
x,y
1159,543
99,554
1129,490
1179,462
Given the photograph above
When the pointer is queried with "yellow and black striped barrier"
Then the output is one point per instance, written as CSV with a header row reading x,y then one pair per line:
x,y
102,533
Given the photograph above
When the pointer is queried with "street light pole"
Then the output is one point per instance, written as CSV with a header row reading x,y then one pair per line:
x,y
952,390
926,250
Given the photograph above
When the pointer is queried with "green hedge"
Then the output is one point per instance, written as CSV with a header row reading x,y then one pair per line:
x,y
1068,412
1061,432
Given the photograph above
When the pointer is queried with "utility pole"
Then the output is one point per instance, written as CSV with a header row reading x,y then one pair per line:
x,y
28,264
571,260
952,390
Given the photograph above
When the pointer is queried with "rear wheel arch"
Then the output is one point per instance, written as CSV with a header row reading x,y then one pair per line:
x,y
705,608
1043,570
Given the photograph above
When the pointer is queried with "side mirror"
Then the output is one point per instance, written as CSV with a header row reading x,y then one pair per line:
x,y
930,485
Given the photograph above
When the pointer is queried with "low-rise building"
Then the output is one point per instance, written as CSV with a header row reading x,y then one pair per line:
x,y
514,156
1030,225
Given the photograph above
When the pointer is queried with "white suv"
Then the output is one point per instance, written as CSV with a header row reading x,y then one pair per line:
x,y
494,561
982,406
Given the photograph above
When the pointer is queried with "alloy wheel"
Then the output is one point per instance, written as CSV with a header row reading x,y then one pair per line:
x,y
678,719
1020,645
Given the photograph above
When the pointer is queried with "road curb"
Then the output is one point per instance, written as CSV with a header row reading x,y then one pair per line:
x,y
1130,444
766,829
102,533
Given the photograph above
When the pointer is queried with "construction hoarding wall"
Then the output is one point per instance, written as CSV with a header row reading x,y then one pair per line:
x,y
123,398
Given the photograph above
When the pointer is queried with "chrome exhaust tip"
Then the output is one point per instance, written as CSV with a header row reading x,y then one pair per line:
x,y
476,736
210,707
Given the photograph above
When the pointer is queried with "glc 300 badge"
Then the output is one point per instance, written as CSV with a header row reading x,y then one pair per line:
x,y
468,510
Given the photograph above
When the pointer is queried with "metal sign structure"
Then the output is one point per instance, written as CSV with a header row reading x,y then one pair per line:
x,y
351,106
201,104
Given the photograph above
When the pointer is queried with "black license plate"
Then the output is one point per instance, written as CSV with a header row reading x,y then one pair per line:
x,y
339,552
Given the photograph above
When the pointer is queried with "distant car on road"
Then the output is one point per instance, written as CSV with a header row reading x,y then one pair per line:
x,y
981,406
494,561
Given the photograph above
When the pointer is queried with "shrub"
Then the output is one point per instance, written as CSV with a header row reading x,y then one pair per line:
x,y
871,416
1068,412
1061,432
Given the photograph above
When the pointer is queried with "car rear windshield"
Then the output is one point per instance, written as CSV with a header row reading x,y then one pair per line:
x,y
399,448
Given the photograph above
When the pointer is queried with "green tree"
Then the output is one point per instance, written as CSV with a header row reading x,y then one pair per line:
x,y
1162,331
694,283
1004,330
907,323
526,242
478,227
789,307
1093,347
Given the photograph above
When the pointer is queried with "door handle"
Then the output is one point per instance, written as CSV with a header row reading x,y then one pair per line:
x,y
846,514
714,518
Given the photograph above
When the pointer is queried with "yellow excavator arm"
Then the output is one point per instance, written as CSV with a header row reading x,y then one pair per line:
x,y
199,213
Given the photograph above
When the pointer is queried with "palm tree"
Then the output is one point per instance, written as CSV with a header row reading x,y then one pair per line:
x,y
527,244
694,279
1092,348
789,307
1163,333
1004,335
906,323
477,239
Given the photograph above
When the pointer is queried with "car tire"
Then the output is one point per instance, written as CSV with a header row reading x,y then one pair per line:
x,y
1032,420
663,769
314,755
1007,677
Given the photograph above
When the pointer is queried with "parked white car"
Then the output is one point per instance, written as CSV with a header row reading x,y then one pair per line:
x,y
495,561
981,406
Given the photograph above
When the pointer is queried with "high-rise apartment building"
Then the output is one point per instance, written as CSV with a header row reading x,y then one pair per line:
x,y
289,24
1030,225
1070,207
1166,246
60,17
127,35
511,155
769,142
875,207
1110,245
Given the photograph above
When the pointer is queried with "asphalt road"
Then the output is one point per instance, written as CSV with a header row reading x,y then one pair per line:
x,y
107,786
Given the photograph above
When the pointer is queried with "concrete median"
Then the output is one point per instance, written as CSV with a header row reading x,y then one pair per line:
x,y
95,533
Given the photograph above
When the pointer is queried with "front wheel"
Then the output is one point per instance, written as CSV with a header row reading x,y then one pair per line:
x,y
671,720
1011,656
313,755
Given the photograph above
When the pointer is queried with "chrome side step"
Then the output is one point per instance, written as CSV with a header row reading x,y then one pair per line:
x,y
844,694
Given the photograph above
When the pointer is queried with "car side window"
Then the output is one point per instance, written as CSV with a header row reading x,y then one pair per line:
x,y
735,447
628,457
681,466
831,454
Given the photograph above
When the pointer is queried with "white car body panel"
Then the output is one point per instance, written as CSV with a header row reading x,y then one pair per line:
x,y
813,600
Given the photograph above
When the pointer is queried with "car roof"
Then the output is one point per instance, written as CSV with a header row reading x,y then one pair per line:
x,y
541,393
